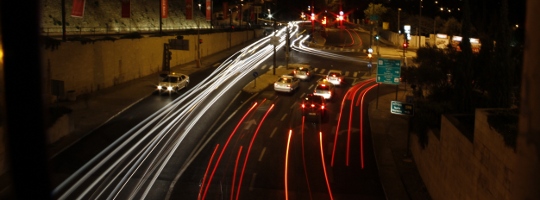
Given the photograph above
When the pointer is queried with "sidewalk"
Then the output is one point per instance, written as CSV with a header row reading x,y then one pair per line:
x,y
399,176
398,173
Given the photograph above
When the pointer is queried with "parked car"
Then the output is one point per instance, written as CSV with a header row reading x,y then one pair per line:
x,y
286,83
173,82
335,77
302,73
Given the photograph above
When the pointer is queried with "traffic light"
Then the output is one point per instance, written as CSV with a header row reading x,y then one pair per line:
x,y
370,56
312,16
405,45
324,21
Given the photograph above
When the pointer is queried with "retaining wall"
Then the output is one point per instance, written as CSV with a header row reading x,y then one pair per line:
x,y
85,68
453,167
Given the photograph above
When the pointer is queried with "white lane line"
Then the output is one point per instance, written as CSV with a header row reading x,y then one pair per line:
x,y
311,87
274,131
262,154
322,71
293,105
315,69
252,181
264,66
284,116
355,74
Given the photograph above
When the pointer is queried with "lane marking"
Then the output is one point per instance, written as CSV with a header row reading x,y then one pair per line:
x,y
322,71
274,131
347,73
355,74
262,154
252,181
283,118
293,105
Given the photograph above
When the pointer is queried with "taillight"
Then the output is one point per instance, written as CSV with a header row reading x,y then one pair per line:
x,y
303,105
289,85
294,72
339,80
313,105
307,73
322,107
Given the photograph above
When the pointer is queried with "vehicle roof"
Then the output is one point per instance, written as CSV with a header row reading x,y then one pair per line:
x,y
175,74
324,81
311,97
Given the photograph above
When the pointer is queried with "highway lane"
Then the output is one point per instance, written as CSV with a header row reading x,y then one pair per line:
x,y
142,162
265,174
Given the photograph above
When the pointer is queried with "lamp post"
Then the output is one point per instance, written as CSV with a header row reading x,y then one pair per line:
x,y
420,23
241,13
398,18
198,42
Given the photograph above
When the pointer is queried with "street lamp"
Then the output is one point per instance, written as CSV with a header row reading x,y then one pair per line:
x,y
398,17
199,7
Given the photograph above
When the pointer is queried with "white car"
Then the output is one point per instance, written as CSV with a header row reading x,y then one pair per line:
x,y
303,73
173,83
335,77
286,83
324,89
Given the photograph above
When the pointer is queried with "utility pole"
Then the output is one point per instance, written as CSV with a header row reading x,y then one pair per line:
x,y
371,28
64,20
198,42
287,48
274,68
160,16
420,24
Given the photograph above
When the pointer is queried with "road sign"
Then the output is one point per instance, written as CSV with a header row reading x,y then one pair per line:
x,y
400,108
388,71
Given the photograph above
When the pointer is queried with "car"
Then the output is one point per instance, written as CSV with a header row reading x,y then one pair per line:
x,y
286,83
302,73
313,107
335,77
324,89
173,82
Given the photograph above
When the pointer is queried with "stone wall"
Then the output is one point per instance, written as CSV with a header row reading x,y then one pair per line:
x,y
454,168
85,68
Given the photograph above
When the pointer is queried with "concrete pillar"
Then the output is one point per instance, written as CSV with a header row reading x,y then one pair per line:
x,y
526,177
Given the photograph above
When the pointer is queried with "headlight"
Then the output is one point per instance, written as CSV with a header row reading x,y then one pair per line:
x,y
159,87
169,88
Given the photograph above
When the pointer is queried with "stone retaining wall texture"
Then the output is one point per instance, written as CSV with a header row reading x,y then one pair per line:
x,y
454,168
85,68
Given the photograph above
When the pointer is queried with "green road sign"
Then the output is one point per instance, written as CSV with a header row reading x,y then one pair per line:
x,y
400,108
388,71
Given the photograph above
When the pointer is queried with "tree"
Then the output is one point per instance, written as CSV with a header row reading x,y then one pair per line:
x,y
375,10
452,27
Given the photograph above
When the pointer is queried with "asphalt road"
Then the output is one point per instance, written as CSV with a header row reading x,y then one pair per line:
x,y
271,153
